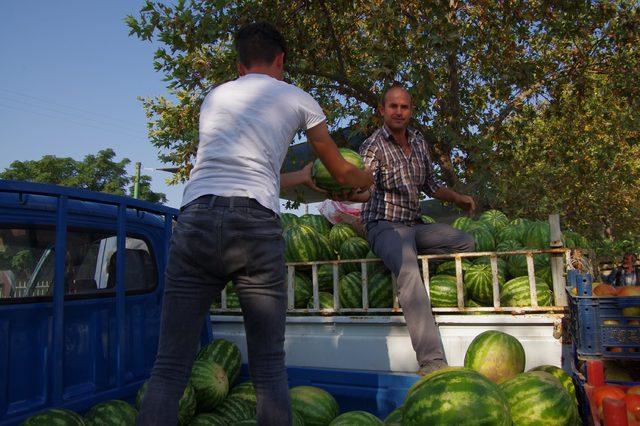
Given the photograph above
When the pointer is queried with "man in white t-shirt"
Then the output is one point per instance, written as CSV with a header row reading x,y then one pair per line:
x,y
229,227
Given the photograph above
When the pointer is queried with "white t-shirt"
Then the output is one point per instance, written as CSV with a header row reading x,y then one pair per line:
x,y
246,126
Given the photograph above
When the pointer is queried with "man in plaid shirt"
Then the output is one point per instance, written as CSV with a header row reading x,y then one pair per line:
x,y
399,158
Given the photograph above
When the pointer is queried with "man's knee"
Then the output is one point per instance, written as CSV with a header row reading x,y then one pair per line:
x,y
467,243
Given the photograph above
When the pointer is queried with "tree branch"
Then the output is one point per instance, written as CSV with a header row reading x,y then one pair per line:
x,y
334,39
358,92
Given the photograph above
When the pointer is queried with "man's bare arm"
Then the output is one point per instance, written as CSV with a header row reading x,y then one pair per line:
x,y
465,202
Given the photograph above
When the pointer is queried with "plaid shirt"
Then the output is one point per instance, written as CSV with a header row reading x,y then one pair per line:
x,y
398,178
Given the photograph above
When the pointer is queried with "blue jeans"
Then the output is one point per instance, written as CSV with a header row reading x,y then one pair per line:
x,y
218,239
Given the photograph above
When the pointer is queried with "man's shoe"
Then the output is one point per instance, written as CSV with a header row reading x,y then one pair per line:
x,y
431,366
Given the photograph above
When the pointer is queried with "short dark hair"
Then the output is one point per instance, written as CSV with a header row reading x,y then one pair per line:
x,y
394,85
259,43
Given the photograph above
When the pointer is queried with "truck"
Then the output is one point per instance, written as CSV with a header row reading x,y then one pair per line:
x,y
81,282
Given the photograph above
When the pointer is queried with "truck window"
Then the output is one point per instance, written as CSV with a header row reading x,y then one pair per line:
x,y
27,263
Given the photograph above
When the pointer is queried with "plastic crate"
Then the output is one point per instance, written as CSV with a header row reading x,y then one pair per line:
x,y
599,328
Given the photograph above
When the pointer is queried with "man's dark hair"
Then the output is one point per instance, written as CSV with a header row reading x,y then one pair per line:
x,y
394,85
259,43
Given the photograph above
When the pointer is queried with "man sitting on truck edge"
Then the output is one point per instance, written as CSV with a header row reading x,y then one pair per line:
x,y
628,273
399,158
229,228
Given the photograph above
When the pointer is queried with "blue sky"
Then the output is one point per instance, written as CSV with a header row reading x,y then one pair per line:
x,y
69,80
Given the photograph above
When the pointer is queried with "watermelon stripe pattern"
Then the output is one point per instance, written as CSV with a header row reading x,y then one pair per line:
x,y
356,418
302,290
455,396
301,244
495,219
325,300
537,398
245,391
234,409
288,219
341,232
479,283
325,277
516,293
208,419
380,291
317,406
224,353
317,222
559,373
210,383
114,412
351,290
322,177
55,416
443,291
353,248
496,355
394,418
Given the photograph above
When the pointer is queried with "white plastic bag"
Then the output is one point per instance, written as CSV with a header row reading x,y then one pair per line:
x,y
341,211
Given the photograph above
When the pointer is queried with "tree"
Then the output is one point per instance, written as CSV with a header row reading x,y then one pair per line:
x,y
95,173
472,67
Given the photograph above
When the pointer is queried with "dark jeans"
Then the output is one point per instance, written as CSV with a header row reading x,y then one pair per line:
x,y
218,239
398,246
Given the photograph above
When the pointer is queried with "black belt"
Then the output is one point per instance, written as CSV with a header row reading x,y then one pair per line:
x,y
216,200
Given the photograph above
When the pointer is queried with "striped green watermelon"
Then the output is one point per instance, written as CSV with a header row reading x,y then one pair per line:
x,y
301,244
483,238
478,281
520,222
325,300
316,221
288,219
380,291
537,235
495,219
113,412
208,419
449,267
235,409
427,219
325,277
351,290
515,292
340,232
470,303
394,418
302,290
496,355
455,396
559,373
55,416
322,177
233,301
244,390
544,274
317,406
186,405
353,248
538,398
510,233
463,223
210,383
224,353
485,260
325,252
443,292
356,418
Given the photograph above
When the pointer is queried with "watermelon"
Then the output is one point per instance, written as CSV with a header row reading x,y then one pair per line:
x,y
233,302
322,177
325,277
516,293
559,373
427,219
340,232
478,281
537,235
544,275
113,412
356,418
353,248
236,408
317,406
301,244
374,267
496,355
443,292
394,418
502,264
510,233
317,222
495,219
325,300
224,353
380,291
483,238
351,290
455,396
210,383
244,390
538,398
449,267
55,416
186,405
208,419
325,252
302,290
463,223
288,219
